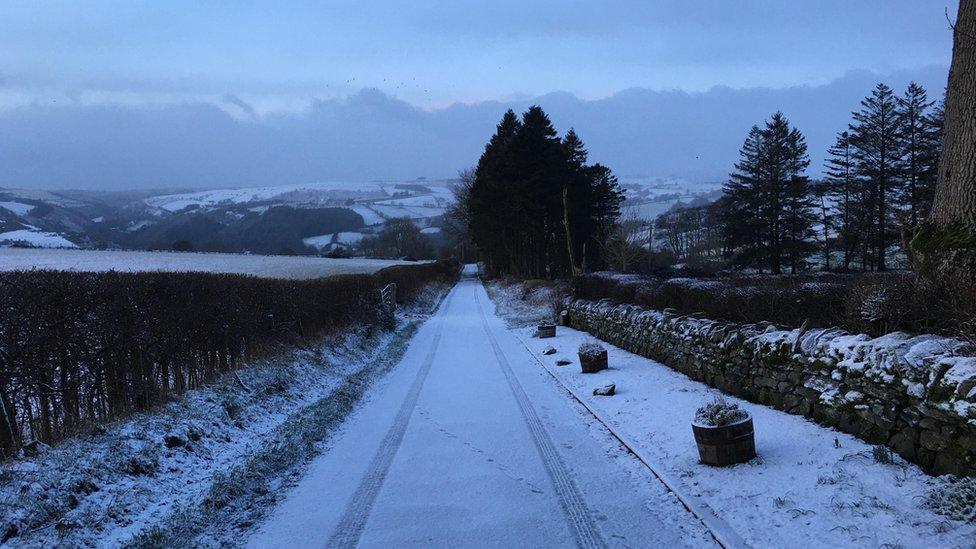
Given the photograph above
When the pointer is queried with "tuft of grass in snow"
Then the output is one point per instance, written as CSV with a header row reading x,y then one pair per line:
x,y
883,455
954,497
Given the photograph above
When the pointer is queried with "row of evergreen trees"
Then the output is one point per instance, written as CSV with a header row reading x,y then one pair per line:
x,y
880,180
535,208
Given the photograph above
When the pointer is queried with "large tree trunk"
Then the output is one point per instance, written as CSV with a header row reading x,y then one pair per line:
x,y
945,246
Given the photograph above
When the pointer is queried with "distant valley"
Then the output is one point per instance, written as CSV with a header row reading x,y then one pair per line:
x,y
313,218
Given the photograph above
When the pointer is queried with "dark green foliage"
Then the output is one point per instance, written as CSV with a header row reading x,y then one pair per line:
x,y
878,186
920,137
883,455
877,151
768,207
845,189
529,186
954,497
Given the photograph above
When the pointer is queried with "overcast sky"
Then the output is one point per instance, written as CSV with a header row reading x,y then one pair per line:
x,y
270,67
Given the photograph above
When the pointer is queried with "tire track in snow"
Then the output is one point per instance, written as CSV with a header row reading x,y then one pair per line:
x,y
353,520
570,499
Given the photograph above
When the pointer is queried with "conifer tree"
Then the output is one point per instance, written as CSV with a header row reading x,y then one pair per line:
x,y
799,204
844,188
492,207
919,154
875,135
536,209
768,200
742,194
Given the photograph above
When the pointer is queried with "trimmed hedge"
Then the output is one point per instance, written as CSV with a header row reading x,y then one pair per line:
x,y
785,299
875,303
79,348
410,279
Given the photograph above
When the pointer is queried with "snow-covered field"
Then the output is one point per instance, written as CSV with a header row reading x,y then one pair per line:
x,y
374,201
17,208
811,486
306,192
267,266
648,197
35,237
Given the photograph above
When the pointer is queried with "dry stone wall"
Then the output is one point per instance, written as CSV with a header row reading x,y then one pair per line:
x,y
915,394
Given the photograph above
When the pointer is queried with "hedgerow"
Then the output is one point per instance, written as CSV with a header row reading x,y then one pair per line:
x,y
80,348
875,303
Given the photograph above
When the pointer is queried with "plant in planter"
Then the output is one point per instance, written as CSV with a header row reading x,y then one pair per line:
x,y
724,433
593,357
545,330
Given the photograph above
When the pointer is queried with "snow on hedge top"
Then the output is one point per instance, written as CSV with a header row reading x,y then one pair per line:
x,y
266,266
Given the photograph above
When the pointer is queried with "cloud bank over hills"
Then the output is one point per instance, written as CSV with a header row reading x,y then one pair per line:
x,y
370,135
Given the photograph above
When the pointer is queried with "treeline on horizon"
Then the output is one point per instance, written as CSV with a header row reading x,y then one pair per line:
x,y
879,185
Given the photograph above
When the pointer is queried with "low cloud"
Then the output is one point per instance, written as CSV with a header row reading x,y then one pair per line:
x,y
235,101
371,135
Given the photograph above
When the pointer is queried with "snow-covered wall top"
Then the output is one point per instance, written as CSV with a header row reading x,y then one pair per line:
x,y
916,394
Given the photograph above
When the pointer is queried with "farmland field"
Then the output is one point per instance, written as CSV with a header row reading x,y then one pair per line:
x,y
267,266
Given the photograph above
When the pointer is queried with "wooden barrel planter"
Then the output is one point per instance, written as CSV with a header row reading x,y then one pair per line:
x,y
725,445
544,331
590,363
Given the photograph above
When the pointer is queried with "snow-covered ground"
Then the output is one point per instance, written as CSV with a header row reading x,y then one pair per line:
x,y
269,266
468,443
200,470
308,191
17,208
36,237
648,197
346,238
811,486
374,201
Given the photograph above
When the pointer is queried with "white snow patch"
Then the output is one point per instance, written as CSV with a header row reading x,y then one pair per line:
x,y
369,215
41,239
18,208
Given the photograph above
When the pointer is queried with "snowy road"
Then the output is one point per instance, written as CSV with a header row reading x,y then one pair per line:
x,y
469,443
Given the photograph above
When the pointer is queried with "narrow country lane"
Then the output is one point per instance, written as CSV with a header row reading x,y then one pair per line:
x,y
469,443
